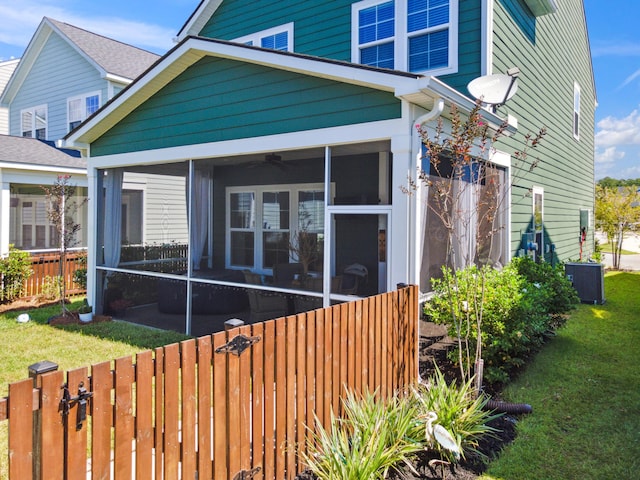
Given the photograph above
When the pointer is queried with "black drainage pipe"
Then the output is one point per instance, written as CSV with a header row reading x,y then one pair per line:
x,y
506,407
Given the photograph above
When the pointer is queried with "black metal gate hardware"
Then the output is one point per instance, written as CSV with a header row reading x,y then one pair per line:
x,y
238,345
68,401
246,474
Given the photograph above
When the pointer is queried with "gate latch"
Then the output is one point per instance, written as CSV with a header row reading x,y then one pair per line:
x,y
68,401
247,474
238,345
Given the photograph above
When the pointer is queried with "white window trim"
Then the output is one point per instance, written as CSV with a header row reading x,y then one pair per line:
x,y
576,111
538,191
32,110
256,37
401,48
83,97
258,190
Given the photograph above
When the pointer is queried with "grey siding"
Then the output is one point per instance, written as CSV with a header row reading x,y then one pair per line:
x,y
6,69
58,73
550,59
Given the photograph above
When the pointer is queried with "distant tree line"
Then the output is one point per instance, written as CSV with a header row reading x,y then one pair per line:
x,y
608,182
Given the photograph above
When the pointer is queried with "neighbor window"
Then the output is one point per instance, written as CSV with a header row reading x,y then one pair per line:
x,y
576,111
410,35
81,107
263,220
277,38
34,122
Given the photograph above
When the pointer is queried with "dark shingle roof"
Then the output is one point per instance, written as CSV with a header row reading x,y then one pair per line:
x,y
30,151
114,57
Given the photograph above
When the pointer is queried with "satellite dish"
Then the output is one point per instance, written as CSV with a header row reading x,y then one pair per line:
x,y
495,89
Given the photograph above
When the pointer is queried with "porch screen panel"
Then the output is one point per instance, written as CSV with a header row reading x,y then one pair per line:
x,y
152,219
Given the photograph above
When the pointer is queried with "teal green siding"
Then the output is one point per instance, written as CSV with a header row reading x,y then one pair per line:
x,y
321,28
549,66
219,99
469,45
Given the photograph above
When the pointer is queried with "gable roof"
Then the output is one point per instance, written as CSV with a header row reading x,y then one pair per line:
x,y
417,89
114,60
20,152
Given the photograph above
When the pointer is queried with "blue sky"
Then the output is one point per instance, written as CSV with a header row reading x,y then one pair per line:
x,y
613,31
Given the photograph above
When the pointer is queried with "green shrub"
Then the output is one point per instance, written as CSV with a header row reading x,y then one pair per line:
x,y
51,287
458,411
515,311
370,439
80,274
15,268
558,294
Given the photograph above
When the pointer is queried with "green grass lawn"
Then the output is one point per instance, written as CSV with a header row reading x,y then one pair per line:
x,y
584,387
608,248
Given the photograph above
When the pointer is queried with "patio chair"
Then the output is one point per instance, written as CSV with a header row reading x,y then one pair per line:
x,y
264,305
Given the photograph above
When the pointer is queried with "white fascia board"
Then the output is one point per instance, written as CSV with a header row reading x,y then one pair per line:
x,y
193,49
117,79
198,19
7,166
372,131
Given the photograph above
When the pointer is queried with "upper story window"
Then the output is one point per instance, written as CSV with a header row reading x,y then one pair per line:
x,y
276,38
34,122
81,107
576,111
409,35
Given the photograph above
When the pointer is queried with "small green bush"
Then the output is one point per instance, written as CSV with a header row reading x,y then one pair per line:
x,y
15,268
517,305
80,275
51,287
557,293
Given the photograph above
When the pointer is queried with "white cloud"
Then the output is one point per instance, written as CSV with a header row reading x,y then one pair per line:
x,y
630,79
21,18
612,131
616,49
608,156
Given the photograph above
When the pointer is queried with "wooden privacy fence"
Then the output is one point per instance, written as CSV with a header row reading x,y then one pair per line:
x,y
48,265
232,405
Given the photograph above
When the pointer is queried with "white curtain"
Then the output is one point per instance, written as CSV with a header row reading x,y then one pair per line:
x,y
465,216
113,217
201,196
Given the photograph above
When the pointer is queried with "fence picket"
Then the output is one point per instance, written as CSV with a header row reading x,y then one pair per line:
x,y
52,433
220,437
123,421
257,401
171,410
20,429
101,419
144,414
188,419
76,448
205,408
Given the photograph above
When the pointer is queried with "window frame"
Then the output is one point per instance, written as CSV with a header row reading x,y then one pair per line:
x,y
83,98
33,130
255,39
576,110
402,37
257,229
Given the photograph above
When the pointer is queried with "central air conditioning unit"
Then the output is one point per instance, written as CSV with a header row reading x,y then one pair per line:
x,y
588,280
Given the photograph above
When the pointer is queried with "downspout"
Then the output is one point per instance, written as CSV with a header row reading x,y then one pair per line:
x,y
434,113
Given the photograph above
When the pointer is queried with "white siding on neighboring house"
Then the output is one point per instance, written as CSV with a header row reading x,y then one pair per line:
x,y
6,69
59,73
165,206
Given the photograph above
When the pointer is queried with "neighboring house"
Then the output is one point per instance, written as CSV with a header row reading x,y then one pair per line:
x,y
300,122
6,70
64,76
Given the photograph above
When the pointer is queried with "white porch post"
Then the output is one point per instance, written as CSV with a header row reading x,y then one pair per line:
x,y
402,254
5,214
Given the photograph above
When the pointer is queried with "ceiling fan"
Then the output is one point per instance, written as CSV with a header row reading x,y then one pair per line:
x,y
270,159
